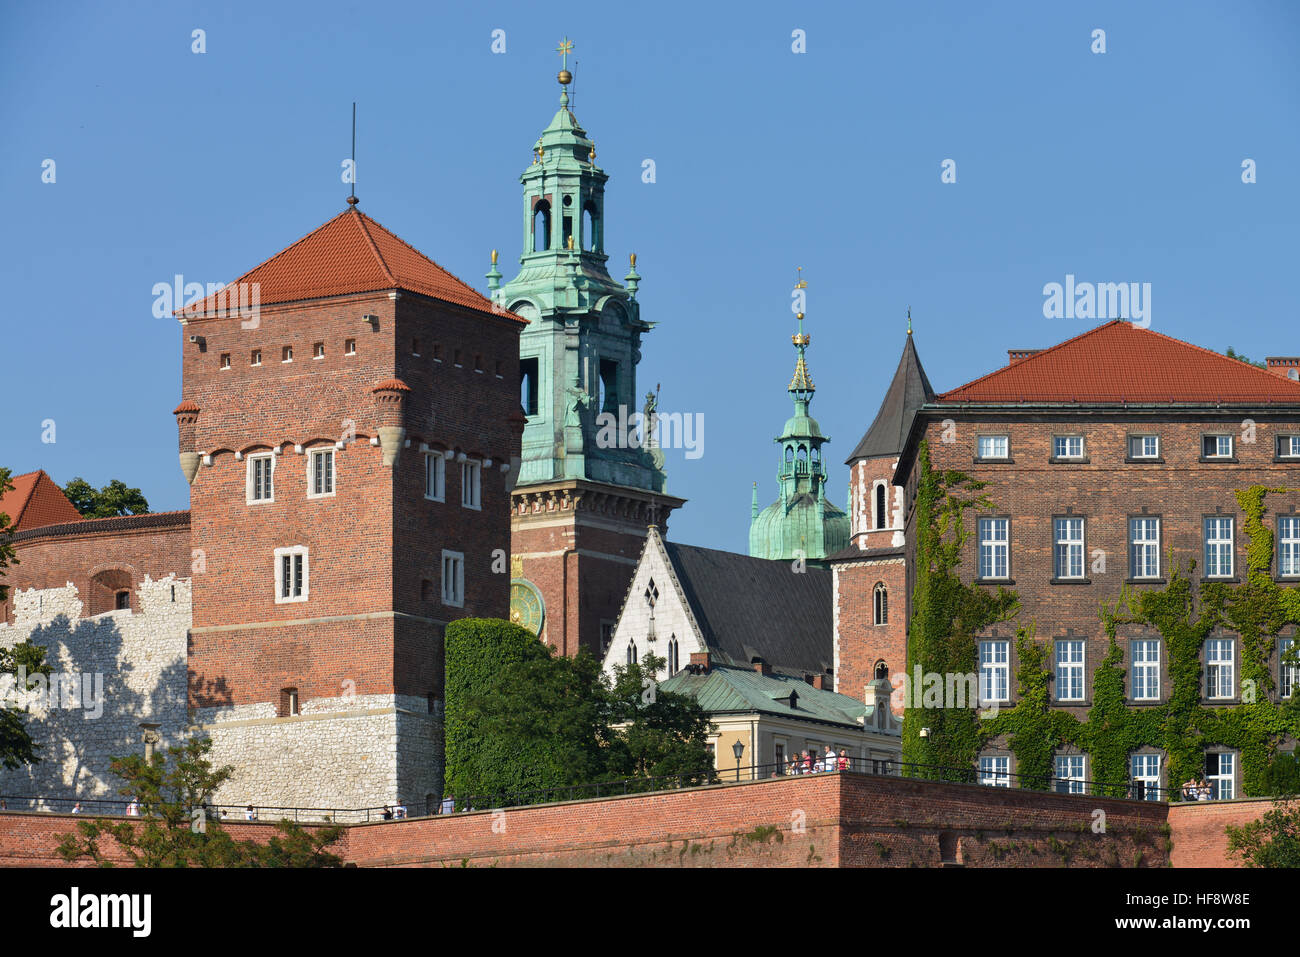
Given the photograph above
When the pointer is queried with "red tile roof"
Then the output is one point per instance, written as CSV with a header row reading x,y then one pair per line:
x,y
1120,362
36,501
350,254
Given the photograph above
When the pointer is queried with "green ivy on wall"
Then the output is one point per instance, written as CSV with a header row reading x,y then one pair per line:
x,y
948,614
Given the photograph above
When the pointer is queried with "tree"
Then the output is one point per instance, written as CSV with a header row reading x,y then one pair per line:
x,y
1271,841
1233,354
21,660
656,733
111,500
175,828
7,556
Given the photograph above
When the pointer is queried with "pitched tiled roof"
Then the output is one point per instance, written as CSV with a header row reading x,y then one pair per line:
x,y
754,607
36,501
1120,362
908,391
111,523
729,690
350,254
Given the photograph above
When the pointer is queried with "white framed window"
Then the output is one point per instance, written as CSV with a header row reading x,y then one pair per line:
x,y
1287,674
1067,446
225,360
993,544
453,578
1288,546
1145,769
1069,547
261,479
255,357
1219,668
320,473
1144,446
435,476
992,446
471,491
349,347
291,574
994,671
1144,547
1145,654
286,354
318,351
995,771
1221,774
1069,669
1218,547
1069,777
1216,446
1288,446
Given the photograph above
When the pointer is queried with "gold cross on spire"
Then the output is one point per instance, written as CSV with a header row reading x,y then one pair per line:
x,y
564,49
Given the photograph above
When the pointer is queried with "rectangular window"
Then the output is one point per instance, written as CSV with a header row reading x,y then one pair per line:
x,y
1288,446
993,543
1221,773
1287,673
435,476
1144,446
415,348
1144,547
1069,774
255,357
1218,547
1145,655
995,771
286,354
778,756
992,446
1219,668
470,485
1067,446
349,347
528,385
453,579
320,473
1216,446
318,351
1069,669
261,470
1069,547
290,574
225,360
1288,546
994,671
1145,770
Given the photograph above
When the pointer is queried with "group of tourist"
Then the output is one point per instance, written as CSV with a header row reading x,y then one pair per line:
x,y
1198,789
810,763
395,812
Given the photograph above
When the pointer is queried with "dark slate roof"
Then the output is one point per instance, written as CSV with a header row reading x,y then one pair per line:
x,y
907,393
758,608
853,553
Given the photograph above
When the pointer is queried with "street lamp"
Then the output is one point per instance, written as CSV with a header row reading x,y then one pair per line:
x,y
738,749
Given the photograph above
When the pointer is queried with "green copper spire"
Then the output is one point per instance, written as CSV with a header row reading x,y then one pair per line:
x,y
802,521
580,351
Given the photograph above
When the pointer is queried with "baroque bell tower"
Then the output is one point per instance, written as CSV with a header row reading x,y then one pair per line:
x,y
582,500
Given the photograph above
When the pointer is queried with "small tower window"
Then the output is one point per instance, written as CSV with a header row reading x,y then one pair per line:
x,y
590,228
349,347
880,602
122,600
789,453
318,350
881,669
880,506
541,227
609,385
528,385
225,360
288,702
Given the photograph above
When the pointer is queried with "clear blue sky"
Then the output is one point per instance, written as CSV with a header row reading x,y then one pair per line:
x,y
1122,166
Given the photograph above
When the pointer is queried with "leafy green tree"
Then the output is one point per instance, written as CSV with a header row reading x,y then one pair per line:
x,y
111,500
1232,354
16,744
654,732
1271,841
175,829
7,556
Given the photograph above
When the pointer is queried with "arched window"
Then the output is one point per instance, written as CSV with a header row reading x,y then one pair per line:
x,y
789,453
590,227
880,602
631,652
541,227
672,656
881,520
881,669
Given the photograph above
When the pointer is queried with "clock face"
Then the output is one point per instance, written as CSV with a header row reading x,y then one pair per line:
x,y
526,607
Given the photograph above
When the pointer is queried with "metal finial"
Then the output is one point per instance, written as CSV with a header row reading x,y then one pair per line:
x,y
909,320
564,49
494,257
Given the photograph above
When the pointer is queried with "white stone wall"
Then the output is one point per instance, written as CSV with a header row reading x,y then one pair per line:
x,y
120,668
672,614
345,753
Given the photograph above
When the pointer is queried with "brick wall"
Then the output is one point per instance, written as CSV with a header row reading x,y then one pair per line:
x,y
828,820
1198,830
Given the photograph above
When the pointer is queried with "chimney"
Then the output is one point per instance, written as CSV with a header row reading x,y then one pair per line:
x,y
1019,355
700,662
761,666
1286,366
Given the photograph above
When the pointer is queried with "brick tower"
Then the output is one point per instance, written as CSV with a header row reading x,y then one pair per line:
x,y
871,582
348,420
582,502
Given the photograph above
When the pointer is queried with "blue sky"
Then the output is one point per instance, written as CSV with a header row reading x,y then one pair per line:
x,y
1115,167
